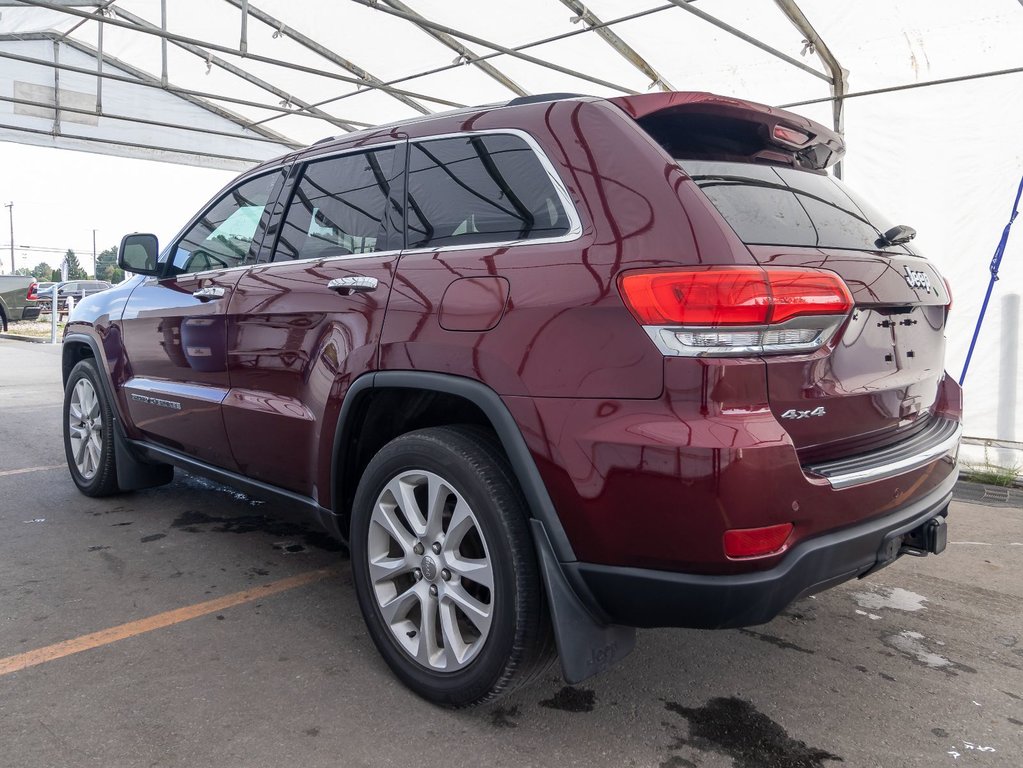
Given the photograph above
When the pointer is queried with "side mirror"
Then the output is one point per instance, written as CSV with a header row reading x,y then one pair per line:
x,y
139,254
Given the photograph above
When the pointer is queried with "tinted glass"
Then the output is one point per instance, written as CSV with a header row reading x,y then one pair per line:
x,y
766,205
480,189
223,237
338,207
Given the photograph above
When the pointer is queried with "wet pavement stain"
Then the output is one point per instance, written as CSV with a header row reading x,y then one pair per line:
x,y
776,641
503,717
736,729
197,522
912,645
1014,721
98,548
153,537
570,699
941,733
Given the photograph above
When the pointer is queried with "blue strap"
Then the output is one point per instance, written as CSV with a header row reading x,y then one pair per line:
x,y
996,263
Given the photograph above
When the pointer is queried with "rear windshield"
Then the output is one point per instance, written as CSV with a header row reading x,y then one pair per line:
x,y
768,205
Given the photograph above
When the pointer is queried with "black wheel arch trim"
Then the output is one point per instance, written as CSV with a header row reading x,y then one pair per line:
x,y
489,402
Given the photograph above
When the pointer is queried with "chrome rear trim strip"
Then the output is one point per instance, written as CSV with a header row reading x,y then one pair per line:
x,y
937,441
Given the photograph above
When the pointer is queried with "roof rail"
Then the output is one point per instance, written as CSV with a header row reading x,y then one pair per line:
x,y
539,97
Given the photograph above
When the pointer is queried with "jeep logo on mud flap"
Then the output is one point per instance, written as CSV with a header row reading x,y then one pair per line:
x,y
918,279
792,413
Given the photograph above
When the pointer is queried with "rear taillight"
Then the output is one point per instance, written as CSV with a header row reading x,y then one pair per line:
x,y
714,311
756,542
32,295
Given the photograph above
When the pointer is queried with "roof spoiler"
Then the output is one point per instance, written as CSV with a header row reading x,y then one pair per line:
x,y
707,126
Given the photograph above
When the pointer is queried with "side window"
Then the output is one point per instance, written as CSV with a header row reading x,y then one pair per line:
x,y
223,237
338,207
480,189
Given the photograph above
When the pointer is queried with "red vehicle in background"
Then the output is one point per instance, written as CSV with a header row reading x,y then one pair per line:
x,y
554,369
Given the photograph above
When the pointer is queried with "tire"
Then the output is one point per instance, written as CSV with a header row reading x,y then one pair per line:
x,y
408,565
89,432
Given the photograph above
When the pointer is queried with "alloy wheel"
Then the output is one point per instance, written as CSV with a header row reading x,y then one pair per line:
x,y
85,422
430,571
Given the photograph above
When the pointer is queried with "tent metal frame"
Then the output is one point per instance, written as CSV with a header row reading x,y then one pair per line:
x,y
105,13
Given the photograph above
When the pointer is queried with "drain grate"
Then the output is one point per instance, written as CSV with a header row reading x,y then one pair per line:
x,y
989,495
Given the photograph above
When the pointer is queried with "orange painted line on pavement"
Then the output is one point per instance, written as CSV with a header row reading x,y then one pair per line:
x,y
6,472
160,620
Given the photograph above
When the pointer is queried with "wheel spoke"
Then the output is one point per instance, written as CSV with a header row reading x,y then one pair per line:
x,y
478,571
386,568
77,432
384,515
80,454
461,523
437,496
403,491
397,607
75,408
426,652
455,646
478,613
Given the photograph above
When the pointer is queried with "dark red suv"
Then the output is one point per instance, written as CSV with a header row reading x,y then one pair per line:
x,y
554,369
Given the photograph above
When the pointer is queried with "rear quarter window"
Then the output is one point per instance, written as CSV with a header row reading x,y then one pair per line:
x,y
480,189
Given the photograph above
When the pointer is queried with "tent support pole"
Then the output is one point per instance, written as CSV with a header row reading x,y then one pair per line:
x,y
584,15
424,24
320,50
163,42
465,54
210,59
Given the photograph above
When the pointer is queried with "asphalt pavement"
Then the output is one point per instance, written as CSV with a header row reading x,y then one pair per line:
x,y
192,625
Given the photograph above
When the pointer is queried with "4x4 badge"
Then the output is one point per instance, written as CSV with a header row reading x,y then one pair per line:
x,y
792,413
918,279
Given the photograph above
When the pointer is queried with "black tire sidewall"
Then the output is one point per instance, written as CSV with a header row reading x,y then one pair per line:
x,y
419,452
103,480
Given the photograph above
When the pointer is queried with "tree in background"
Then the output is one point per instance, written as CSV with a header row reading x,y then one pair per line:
x,y
55,276
106,266
74,269
42,271
23,271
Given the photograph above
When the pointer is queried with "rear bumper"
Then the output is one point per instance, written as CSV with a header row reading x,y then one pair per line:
x,y
652,598
30,313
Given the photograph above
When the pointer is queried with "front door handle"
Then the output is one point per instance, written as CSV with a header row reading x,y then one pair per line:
x,y
346,286
210,292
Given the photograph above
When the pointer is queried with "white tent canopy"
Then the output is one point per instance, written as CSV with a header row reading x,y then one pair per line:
x,y
929,97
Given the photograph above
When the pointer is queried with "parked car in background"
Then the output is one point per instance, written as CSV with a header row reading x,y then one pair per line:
x,y
43,291
78,290
555,369
18,299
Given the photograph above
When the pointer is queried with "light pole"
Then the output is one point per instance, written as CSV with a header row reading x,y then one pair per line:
x,y
94,253
10,212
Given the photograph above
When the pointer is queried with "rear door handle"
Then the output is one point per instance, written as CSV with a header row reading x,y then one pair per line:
x,y
355,284
210,292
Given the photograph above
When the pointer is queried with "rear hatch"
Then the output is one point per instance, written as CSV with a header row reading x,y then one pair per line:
x,y
876,382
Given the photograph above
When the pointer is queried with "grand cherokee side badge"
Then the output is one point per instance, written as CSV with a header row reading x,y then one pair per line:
x,y
918,279
792,413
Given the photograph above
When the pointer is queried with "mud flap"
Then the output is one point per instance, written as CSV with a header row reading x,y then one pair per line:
x,y
134,474
586,646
